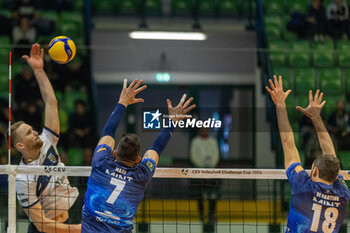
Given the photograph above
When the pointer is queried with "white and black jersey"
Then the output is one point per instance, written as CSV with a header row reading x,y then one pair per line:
x,y
54,193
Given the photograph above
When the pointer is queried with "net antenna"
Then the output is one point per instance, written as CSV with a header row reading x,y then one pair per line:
x,y
11,174
10,107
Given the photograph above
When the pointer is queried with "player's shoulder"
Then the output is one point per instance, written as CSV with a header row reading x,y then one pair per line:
x,y
341,187
147,164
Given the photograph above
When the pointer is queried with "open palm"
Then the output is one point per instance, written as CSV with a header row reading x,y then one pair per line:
x,y
277,93
315,105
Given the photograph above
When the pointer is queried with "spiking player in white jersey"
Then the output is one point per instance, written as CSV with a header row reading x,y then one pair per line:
x,y
119,178
45,199
319,201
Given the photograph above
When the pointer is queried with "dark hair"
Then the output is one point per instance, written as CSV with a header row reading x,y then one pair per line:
x,y
128,147
14,135
328,167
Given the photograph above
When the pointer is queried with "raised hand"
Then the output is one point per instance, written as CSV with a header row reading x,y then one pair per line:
x,y
36,57
128,94
315,105
178,113
277,94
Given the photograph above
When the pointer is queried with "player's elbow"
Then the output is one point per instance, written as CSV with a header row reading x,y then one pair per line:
x,y
288,141
52,102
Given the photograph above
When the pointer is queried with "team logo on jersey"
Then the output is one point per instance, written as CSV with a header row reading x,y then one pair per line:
x,y
298,169
151,120
184,171
150,166
52,158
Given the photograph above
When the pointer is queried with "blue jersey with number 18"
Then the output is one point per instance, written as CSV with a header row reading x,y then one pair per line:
x,y
114,192
315,206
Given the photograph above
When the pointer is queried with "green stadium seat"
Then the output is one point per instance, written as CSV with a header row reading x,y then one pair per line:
x,y
52,15
246,6
154,7
71,23
343,51
6,13
299,56
5,43
330,106
78,5
127,7
181,7
4,74
347,80
285,73
331,81
75,156
207,7
71,96
277,53
344,157
4,95
63,117
274,6
286,34
104,6
272,32
323,54
304,80
273,20
228,7
297,5
292,112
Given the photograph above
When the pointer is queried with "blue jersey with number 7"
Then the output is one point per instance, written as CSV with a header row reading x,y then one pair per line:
x,y
114,192
315,206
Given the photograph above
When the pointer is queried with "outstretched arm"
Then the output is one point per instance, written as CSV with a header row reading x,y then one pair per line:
x,y
313,111
127,97
44,224
176,114
35,60
291,154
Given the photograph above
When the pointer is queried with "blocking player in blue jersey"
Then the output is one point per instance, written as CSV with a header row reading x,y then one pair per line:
x,y
319,200
119,177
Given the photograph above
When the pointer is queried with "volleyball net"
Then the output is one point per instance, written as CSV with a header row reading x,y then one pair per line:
x,y
178,200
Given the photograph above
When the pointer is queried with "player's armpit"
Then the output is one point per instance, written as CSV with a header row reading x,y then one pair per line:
x,y
43,224
152,154
107,140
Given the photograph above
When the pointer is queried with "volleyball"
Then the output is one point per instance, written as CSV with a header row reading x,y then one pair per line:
x,y
62,49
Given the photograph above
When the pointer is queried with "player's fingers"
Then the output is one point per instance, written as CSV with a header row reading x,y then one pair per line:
x,y
35,49
275,80
133,83
188,102
288,92
189,108
169,103
41,53
139,100
319,100
182,100
25,57
140,89
280,81
316,95
272,86
125,83
310,96
323,103
269,90
138,84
